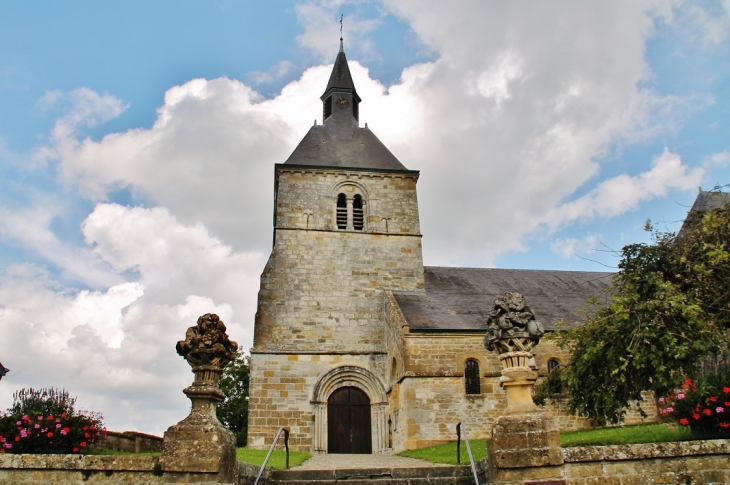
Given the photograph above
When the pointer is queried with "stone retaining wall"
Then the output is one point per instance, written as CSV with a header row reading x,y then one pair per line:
x,y
690,462
25,469
130,442
686,462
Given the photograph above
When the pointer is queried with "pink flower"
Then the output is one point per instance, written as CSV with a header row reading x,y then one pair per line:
x,y
661,399
680,396
18,423
719,410
58,425
670,409
37,426
40,418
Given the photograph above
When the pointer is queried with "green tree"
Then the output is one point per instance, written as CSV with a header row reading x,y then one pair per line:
x,y
233,411
668,308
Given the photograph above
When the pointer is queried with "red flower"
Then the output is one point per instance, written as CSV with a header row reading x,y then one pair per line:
x,y
83,443
706,412
713,399
684,421
87,435
49,434
726,390
86,428
17,438
695,416
67,429
76,450
725,425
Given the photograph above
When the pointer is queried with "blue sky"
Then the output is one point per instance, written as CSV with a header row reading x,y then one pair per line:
x,y
137,143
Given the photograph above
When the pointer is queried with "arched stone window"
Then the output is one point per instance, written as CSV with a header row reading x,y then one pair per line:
x,y
555,385
357,213
350,207
471,377
341,211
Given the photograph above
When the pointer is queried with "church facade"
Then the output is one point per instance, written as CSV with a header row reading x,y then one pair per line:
x,y
359,348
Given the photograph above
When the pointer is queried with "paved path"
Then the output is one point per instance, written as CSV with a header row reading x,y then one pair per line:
x,y
339,462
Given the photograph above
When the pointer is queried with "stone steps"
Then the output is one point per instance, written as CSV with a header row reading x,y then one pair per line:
x,y
450,475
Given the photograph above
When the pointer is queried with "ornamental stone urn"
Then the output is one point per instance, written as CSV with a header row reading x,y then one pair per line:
x,y
200,443
524,438
513,332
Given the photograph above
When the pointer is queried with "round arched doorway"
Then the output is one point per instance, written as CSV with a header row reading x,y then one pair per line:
x,y
348,421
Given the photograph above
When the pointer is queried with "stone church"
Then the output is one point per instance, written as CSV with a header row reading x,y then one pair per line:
x,y
359,347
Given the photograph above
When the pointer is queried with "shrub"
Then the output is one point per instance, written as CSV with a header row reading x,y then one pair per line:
x,y
45,421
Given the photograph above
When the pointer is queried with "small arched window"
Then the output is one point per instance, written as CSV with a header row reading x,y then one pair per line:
x,y
341,211
357,213
471,377
555,384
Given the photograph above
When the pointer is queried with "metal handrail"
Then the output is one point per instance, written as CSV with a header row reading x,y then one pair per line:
x,y
468,450
271,450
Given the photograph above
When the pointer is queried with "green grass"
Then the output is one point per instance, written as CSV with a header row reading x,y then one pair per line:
x,y
277,460
643,433
446,453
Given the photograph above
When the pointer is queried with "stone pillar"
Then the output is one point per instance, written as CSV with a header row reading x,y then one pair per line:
x,y
525,443
200,443
350,217
380,427
319,445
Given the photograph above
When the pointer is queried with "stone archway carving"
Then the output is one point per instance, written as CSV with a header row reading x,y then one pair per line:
x,y
363,379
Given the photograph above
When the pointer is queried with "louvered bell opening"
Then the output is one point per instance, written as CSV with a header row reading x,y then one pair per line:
x,y
471,377
341,212
357,214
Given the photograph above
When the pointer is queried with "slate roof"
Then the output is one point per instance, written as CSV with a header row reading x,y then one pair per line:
x,y
706,201
321,148
459,299
341,79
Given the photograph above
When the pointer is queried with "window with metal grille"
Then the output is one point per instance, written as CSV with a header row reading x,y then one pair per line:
x,y
357,213
471,377
341,211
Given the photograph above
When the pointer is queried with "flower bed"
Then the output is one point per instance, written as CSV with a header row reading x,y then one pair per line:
x,y
45,421
702,406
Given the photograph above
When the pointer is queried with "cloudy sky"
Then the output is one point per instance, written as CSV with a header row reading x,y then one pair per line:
x,y
138,139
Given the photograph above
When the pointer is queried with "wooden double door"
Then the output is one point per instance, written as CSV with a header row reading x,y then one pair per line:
x,y
348,422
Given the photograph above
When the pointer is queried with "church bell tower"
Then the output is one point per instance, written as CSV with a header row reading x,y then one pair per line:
x,y
346,230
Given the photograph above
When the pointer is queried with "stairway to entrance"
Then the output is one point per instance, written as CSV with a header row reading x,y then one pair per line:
x,y
383,469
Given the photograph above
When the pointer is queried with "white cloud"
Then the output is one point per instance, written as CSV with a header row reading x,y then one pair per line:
x,y
569,247
624,193
277,71
720,158
320,20
115,348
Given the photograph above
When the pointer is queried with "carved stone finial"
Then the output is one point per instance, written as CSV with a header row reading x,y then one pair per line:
x,y
200,442
512,325
207,343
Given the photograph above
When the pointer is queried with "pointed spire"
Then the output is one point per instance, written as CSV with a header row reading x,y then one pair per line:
x,y
340,79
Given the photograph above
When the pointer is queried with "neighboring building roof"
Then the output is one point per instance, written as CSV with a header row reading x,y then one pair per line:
x,y
460,299
321,148
706,200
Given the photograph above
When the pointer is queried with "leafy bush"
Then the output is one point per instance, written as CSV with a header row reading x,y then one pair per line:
x,y
233,411
45,421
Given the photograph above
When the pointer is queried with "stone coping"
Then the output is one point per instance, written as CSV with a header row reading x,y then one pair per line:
x,y
645,451
78,462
